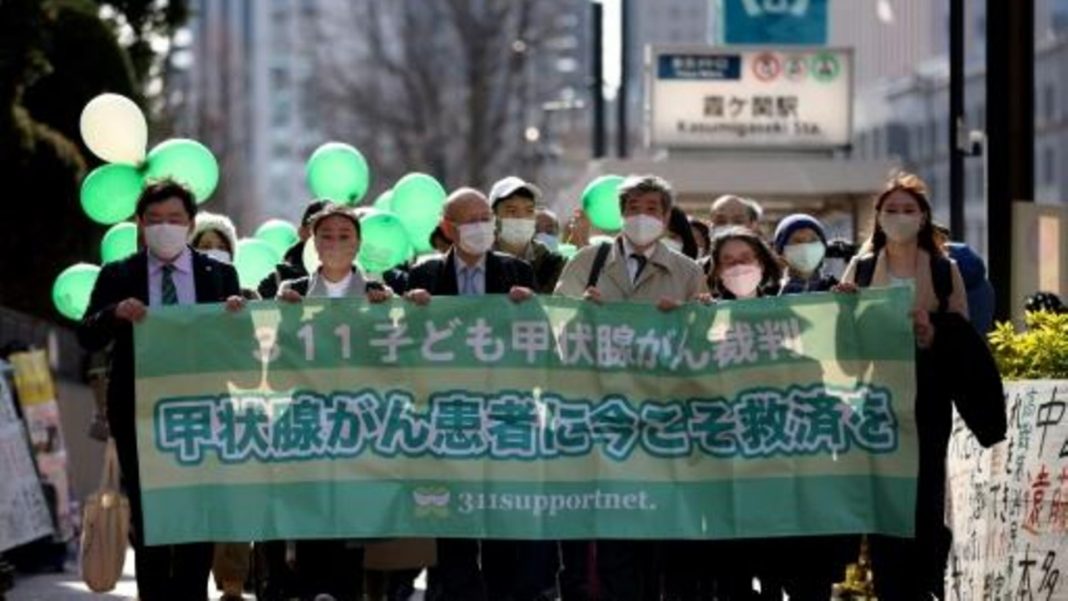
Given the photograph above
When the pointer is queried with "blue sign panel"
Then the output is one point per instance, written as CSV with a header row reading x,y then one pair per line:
x,y
773,21
699,66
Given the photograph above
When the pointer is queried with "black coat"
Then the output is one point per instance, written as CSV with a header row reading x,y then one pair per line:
x,y
967,375
118,281
438,276
291,268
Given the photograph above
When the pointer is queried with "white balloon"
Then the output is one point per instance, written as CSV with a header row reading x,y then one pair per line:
x,y
114,128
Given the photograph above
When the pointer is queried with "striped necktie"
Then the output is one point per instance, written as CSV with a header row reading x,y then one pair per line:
x,y
168,292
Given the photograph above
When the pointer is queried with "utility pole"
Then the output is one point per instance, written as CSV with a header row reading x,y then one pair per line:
x,y
1010,130
621,97
956,118
599,142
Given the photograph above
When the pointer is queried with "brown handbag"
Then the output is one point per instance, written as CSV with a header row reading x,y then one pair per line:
x,y
105,528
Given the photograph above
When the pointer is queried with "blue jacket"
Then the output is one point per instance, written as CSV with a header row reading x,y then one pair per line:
x,y
980,291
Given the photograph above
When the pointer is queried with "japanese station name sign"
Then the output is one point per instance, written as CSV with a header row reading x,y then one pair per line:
x,y
753,98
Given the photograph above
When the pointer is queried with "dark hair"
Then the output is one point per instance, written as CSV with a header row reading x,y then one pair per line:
x,y
752,207
771,268
439,234
912,185
313,207
1044,301
195,242
679,224
703,231
636,185
164,190
336,210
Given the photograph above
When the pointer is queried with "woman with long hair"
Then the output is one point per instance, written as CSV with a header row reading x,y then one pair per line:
x,y
903,251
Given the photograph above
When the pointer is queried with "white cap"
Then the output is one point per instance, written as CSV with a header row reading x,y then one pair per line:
x,y
509,186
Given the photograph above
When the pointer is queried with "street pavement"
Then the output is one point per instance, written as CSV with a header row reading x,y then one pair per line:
x,y
68,586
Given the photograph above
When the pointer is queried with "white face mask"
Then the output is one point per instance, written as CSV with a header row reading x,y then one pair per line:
x,y
517,232
805,257
477,238
218,254
901,227
674,245
642,230
548,240
166,240
742,280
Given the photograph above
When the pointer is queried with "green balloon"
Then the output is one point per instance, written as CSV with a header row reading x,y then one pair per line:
x,y
119,242
72,289
338,172
109,193
280,234
600,201
418,200
185,161
384,202
255,259
384,242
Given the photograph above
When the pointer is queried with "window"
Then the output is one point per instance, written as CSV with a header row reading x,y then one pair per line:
x,y
1049,166
1049,102
281,110
279,78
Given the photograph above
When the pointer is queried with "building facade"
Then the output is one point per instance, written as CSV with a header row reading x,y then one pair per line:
x,y
905,119
245,96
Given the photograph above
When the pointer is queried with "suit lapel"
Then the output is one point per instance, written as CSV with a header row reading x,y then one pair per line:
x,y
495,283
205,280
615,268
446,283
654,264
139,276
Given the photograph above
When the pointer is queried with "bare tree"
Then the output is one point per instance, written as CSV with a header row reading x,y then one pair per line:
x,y
444,87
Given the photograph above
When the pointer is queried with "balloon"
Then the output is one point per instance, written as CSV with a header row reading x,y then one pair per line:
x,y
119,242
338,172
383,242
567,250
114,128
109,193
186,161
72,289
384,202
280,234
254,260
600,201
418,200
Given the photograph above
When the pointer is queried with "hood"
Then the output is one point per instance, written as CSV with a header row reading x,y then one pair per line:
x,y
971,265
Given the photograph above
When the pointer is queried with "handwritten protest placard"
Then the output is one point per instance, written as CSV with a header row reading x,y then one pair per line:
x,y
23,512
1009,503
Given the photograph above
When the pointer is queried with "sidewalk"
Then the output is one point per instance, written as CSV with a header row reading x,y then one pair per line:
x,y
69,587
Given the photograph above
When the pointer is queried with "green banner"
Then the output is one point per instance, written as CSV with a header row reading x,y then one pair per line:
x,y
550,419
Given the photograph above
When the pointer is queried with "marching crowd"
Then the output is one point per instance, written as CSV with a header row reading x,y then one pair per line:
x,y
507,244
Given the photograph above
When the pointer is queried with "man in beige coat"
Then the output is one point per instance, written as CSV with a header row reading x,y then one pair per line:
x,y
635,267
638,267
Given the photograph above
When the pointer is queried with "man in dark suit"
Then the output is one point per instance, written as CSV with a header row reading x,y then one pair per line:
x,y
166,272
471,268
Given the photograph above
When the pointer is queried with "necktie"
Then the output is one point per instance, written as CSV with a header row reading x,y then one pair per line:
x,y
469,281
642,260
168,292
